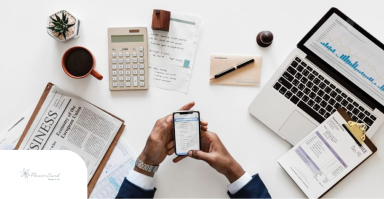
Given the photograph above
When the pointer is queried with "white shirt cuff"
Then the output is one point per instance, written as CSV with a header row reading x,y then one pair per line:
x,y
239,183
141,180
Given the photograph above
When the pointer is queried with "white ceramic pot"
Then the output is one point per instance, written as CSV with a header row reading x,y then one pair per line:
x,y
74,30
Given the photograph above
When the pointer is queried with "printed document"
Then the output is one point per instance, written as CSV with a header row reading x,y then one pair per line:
x,y
323,157
10,137
171,54
67,122
118,166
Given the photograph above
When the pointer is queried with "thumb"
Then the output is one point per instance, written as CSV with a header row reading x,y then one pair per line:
x,y
200,155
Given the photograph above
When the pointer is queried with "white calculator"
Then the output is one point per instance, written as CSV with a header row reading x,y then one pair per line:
x,y
128,62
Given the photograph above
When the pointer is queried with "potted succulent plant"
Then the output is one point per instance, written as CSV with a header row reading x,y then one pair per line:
x,y
63,26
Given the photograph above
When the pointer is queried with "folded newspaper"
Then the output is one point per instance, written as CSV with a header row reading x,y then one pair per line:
x,y
67,122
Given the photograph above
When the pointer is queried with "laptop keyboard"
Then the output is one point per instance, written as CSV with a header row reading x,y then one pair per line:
x,y
316,95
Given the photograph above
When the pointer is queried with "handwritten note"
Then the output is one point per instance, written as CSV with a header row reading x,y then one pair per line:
x,y
171,54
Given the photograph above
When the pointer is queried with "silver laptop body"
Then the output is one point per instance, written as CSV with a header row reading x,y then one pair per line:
x,y
308,87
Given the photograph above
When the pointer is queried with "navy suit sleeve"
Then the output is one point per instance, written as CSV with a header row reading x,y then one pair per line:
x,y
130,190
253,189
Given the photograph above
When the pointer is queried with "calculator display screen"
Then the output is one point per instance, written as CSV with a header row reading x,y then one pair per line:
x,y
127,38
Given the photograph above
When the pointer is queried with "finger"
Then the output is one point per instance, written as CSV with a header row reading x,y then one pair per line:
x,y
179,158
204,128
203,123
187,106
200,155
170,145
171,151
169,117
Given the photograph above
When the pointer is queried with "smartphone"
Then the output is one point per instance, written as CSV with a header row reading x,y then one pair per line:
x,y
187,131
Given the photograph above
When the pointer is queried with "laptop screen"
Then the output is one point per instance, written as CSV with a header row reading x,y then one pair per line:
x,y
351,53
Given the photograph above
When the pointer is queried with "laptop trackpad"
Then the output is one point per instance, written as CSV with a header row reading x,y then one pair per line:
x,y
296,127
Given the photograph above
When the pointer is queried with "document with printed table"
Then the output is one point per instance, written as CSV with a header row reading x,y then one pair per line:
x,y
326,155
64,121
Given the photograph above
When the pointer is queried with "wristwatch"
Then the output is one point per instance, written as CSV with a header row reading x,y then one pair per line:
x,y
146,167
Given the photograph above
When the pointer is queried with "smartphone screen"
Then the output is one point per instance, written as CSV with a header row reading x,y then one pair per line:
x,y
187,131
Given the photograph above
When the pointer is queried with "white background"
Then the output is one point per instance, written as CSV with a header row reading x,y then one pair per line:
x,y
14,184
30,59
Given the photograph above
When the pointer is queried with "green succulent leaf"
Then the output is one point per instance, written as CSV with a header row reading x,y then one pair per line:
x,y
57,18
60,25
53,20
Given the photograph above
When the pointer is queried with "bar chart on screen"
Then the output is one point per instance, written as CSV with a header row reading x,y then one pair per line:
x,y
351,51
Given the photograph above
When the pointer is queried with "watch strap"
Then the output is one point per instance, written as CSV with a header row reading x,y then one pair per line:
x,y
146,167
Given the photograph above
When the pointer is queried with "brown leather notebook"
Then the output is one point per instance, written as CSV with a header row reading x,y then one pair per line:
x,y
103,162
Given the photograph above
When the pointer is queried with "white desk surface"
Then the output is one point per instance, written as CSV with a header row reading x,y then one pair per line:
x,y
30,59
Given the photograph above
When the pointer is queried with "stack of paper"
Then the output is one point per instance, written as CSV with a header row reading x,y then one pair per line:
x,y
10,137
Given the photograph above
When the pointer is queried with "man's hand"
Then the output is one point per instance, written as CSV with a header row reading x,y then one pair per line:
x,y
216,155
160,142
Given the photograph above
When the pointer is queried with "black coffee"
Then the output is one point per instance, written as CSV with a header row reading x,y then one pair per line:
x,y
79,62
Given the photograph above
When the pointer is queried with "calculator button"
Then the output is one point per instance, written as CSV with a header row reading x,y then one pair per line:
x,y
142,84
141,60
114,84
127,61
113,54
128,84
141,54
134,49
114,61
121,61
121,78
127,54
121,72
114,73
127,72
134,66
135,72
141,65
114,67
141,49
134,54
128,78
120,54
141,72
134,80
121,84
114,79
134,60
121,66
128,66
142,78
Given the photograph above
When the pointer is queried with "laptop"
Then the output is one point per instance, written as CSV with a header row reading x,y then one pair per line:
x,y
337,64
